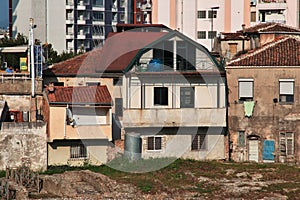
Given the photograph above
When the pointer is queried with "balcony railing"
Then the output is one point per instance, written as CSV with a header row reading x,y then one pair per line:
x,y
9,126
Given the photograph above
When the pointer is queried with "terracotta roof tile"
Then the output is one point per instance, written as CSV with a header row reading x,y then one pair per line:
x,y
283,51
270,27
233,36
80,94
115,55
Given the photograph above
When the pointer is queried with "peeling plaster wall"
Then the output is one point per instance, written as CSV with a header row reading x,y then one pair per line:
x,y
19,145
269,118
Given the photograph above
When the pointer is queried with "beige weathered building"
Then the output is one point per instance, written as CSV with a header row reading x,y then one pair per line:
x,y
79,124
263,102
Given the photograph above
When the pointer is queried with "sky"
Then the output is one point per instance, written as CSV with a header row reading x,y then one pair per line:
x,y
3,13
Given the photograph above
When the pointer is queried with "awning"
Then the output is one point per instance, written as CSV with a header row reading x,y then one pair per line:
x,y
17,49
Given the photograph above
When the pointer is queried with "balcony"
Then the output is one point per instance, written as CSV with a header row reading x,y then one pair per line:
x,y
98,22
178,117
272,5
98,37
70,20
70,35
18,83
81,20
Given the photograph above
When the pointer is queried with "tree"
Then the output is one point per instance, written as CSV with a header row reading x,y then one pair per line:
x,y
52,56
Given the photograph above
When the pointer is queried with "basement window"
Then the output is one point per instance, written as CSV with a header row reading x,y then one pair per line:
x,y
154,143
286,90
78,151
199,142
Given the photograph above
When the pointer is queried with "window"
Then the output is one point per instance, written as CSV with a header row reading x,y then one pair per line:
x,y
286,143
98,16
201,35
122,3
78,151
253,16
187,97
212,14
119,106
98,3
212,34
118,81
198,142
58,83
161,96
241,139
154,143
245,89
92,83
201,14
286,90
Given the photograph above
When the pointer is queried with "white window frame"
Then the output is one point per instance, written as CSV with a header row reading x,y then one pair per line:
x,y
286,90
245,95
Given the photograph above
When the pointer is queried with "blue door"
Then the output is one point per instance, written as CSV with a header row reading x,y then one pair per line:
x,y
268,150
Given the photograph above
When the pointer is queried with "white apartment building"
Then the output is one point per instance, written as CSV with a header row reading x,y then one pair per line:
x,y
202,20
281,11
69,25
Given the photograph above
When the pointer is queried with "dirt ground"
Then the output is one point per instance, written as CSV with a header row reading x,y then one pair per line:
x,y
183,179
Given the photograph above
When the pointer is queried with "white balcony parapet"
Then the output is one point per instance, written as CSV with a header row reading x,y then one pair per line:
x,y
180,117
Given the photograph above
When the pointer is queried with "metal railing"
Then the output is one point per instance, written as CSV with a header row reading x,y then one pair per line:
x,y
5,126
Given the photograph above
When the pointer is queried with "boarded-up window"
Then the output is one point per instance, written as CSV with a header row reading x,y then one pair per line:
x,y
245,89
119,107
253,16
187,97
232,49
286,143
241,138
286,90
198,142
154,143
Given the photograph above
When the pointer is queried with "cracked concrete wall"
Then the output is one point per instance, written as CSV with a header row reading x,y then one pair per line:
x,y
20,145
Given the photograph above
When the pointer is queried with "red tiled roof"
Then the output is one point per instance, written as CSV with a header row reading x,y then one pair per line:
x,y
233,36
270,27
80,94
283,51
118,51
70,66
